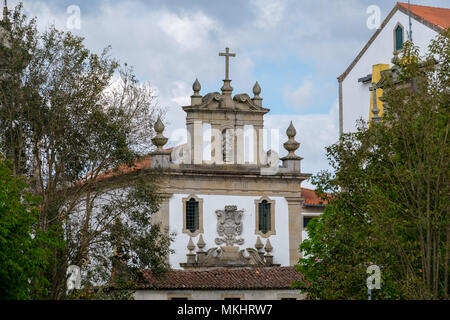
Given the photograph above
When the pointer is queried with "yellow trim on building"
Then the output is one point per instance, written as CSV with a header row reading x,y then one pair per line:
x,y
376,77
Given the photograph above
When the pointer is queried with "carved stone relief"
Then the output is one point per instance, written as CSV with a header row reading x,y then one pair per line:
x,y
229,226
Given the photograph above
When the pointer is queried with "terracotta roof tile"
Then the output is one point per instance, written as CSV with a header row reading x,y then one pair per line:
x,y
224,278
434,17
311,198
439,17
139,164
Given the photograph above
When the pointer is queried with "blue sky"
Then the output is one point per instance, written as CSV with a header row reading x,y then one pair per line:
x,y
294,49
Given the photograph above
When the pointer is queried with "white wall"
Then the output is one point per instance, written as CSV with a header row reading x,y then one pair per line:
x,y
356,96
211,203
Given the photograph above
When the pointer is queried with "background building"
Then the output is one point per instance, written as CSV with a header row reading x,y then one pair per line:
x,y
354,94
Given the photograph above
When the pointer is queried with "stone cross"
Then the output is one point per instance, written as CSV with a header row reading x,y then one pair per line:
x,y
227,56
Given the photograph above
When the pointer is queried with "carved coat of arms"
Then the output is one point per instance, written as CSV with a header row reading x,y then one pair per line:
x,y
229,226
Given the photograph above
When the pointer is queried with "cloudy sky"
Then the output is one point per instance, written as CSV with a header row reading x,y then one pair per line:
x,y
295,49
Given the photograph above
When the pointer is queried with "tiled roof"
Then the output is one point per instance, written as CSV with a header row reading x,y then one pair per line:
x,y
439,17
311,198
140,164
435,18
224,278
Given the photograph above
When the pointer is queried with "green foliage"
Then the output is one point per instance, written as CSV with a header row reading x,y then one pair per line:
x,y
389,192
23,255
68,117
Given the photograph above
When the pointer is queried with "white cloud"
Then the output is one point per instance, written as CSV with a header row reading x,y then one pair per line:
x,y
302,97
268,13
189,31
314,132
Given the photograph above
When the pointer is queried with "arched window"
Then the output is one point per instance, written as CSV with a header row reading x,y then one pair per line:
x,y
227,145
398,34
264,217
192,215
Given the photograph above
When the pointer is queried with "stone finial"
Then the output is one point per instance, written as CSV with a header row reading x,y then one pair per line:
x,y
196,98
291,145
291,162
268,256
201,243
159,141
259,245
257,91
191,245
196,87
291,132
190,255
159,126
201,255
268,246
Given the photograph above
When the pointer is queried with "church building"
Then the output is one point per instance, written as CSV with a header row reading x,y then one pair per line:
x,y
239,214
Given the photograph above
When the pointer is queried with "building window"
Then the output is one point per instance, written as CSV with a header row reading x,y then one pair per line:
x,y
265,217
306,220
192,215
398,34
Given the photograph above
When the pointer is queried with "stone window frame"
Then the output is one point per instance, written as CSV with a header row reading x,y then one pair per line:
x,y
200,216
272,230
395,36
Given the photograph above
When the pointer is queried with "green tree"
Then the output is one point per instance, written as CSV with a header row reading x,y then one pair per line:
x,y
389,199
67,117
23,252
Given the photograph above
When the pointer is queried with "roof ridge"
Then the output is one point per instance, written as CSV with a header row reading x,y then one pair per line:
x,y
403,7
420,5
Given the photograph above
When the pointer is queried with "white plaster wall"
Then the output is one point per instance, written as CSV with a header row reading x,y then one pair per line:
x,y
211,203
356,96
218,294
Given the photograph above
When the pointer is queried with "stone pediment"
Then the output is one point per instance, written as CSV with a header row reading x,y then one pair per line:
x,y
217,101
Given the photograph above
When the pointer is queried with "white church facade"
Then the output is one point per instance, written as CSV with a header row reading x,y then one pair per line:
x,y
238,219
355,96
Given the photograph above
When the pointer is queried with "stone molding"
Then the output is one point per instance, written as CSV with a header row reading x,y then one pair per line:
x,y
272,230
200,216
